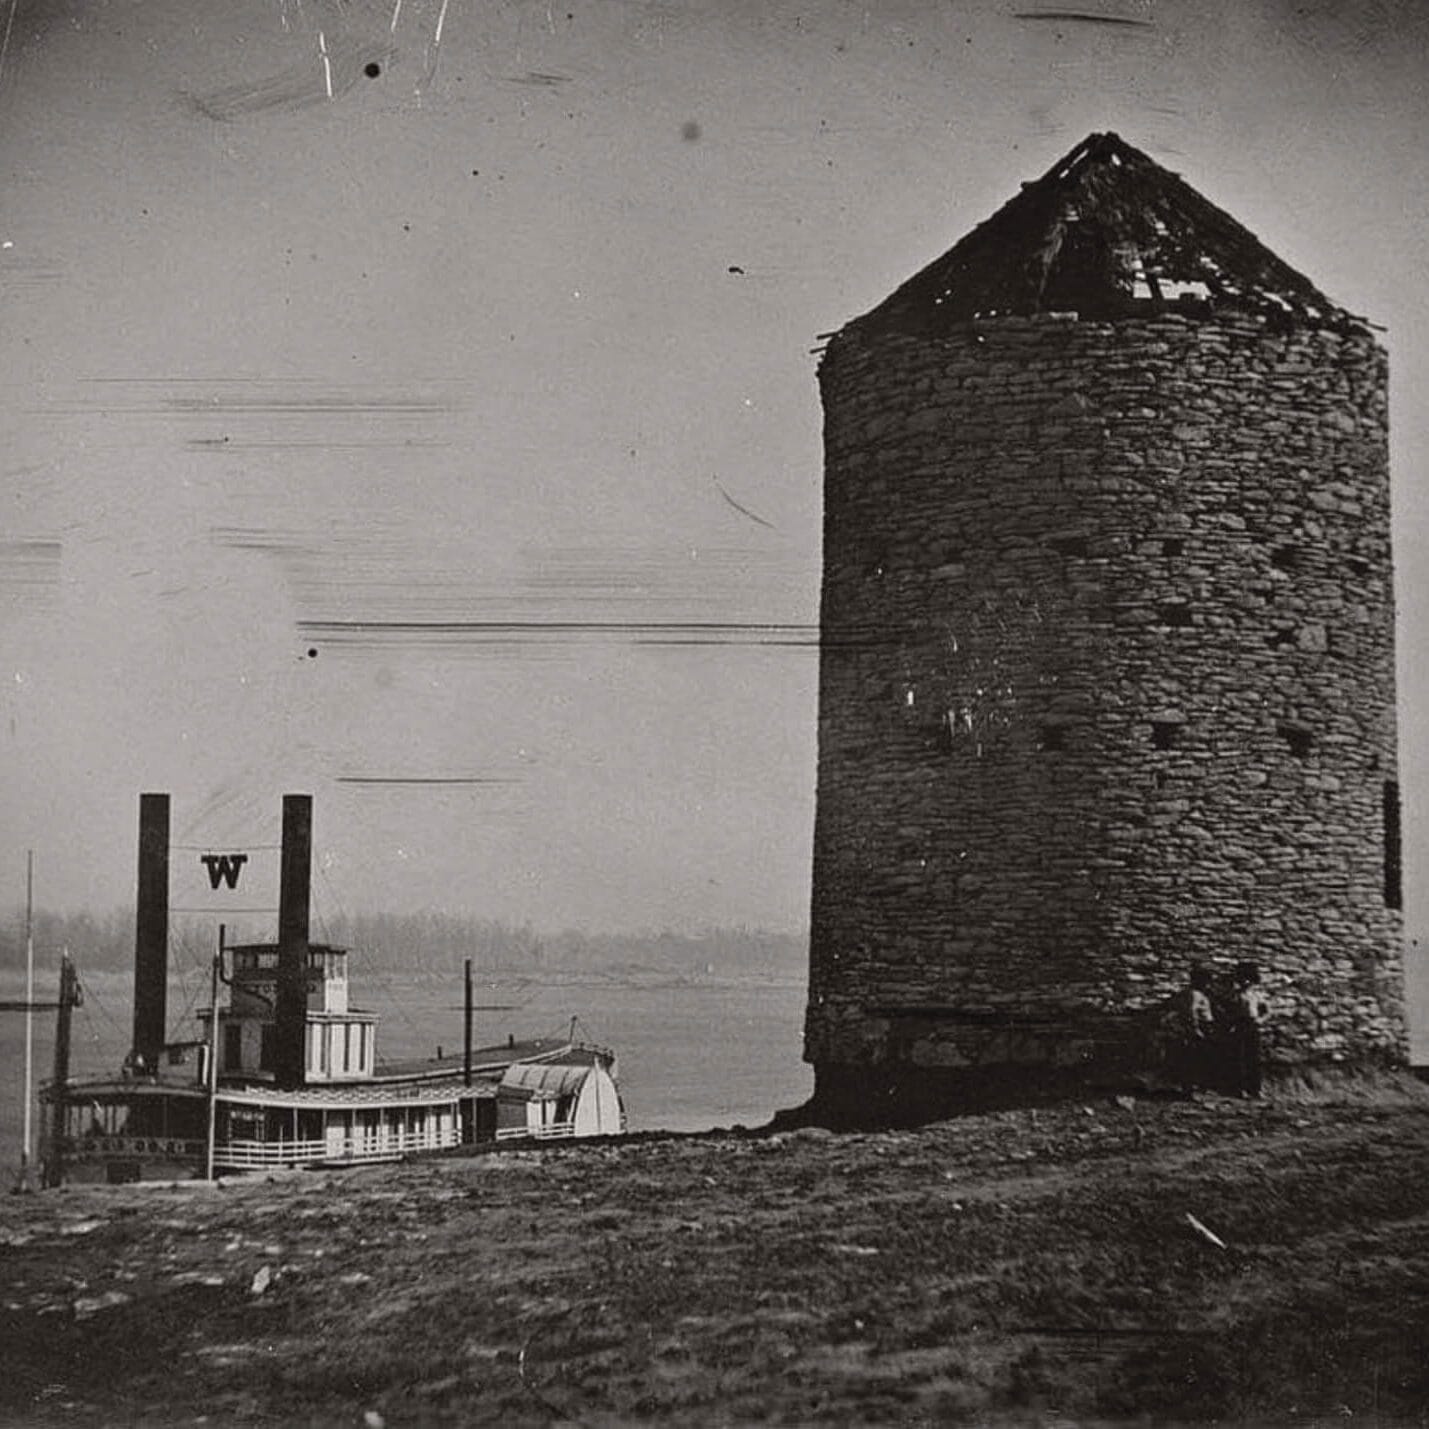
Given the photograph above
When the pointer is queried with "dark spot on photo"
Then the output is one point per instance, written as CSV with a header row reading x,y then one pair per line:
x,y
372,69
690,131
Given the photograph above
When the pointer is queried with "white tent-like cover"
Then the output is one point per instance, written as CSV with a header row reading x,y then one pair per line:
x,y
548,1099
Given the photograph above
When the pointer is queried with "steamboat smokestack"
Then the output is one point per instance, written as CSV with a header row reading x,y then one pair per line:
x,y
151,932
291,1014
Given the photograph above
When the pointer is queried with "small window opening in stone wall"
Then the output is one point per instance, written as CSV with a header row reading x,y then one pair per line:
x,y
1069,544
1052,738
1164,733
1393,874
1172,546
1175,613
1358,568
1285,558
1277,638
1300,739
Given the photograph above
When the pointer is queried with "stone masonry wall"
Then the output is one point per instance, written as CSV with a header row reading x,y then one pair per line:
x,y
1107,688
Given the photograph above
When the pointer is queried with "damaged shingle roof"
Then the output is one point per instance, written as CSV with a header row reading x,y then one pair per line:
x,y
1105,233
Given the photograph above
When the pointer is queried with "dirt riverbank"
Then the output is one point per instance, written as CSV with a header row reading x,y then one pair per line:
x,y
1108,1262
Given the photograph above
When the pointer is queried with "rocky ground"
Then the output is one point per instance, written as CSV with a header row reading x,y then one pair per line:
x,y
1116,1261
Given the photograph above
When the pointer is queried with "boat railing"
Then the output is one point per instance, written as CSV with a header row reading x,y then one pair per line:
x,y
540,1133
603,1053
333,1151
243,1155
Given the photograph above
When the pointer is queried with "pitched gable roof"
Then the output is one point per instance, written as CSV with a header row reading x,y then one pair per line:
x,y
1106,232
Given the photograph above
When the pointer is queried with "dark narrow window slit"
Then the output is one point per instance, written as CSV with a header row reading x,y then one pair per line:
x,y
1393,873
1285,558
1300,739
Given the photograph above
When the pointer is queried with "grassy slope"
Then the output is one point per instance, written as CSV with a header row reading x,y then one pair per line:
x,y
995,1267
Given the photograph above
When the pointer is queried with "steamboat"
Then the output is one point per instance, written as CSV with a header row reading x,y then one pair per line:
x,y
285,1072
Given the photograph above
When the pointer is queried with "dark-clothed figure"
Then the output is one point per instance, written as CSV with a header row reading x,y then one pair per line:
x,y
1249,1011
1192,1032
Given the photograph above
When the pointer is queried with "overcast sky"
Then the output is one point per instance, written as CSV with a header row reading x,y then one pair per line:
x,y
516,329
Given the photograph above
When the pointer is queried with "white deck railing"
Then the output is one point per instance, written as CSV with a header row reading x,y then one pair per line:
x,y
268,1153
249,1155
541,1133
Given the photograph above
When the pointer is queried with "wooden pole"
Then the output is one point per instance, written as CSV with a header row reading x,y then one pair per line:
x,y
59,1122
466,1034
213,1054
26,1145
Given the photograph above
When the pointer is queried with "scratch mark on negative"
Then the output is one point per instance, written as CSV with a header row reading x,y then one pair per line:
x,y
5,43
1081,17
420,780
433,50
327,63
743,510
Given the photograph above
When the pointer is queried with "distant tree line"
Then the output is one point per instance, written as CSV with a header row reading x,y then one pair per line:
x,y
434,942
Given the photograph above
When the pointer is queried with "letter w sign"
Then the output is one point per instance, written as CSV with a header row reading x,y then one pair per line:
x,y
223,867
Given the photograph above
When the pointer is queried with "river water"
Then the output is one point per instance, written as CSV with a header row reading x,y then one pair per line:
x,y
693,1054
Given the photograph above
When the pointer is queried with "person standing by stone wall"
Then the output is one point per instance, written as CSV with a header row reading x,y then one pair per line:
x,y
1203,1025
1249,1012
1193,1030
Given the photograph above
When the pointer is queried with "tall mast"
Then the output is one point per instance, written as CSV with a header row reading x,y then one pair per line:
x,y
27,1143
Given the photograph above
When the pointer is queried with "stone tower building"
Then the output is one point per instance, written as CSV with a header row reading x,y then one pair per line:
x,y
1107,680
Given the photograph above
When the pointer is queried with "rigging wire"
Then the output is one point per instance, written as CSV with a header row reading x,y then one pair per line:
x,y
313,902
243,847
94,1003
192,979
